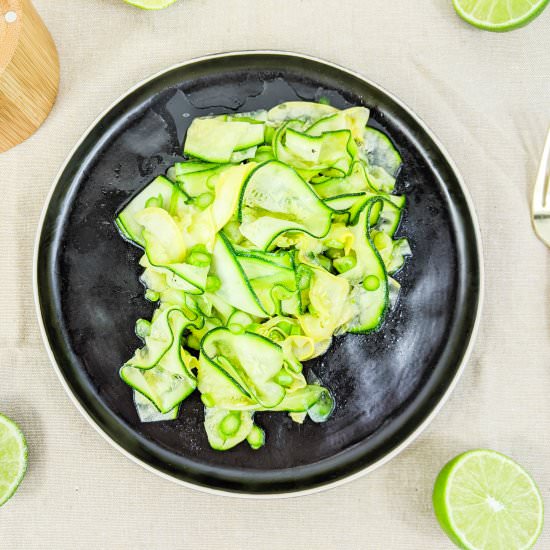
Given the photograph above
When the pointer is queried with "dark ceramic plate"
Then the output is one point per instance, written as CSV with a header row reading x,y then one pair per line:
x,y
387,385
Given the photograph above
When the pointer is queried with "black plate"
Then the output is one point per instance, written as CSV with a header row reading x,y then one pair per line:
x,y
386,384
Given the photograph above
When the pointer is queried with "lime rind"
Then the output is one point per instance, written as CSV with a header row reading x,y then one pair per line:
x,y
150,4
472,11
12,436
466,507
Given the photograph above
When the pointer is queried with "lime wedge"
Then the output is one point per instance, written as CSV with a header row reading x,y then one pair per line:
x,y
499,15
150,4
484,499
13,458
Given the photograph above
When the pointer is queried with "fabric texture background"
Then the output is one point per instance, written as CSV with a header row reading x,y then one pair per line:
x,y
485,95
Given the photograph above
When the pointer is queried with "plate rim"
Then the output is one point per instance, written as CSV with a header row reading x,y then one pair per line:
x,y
442,399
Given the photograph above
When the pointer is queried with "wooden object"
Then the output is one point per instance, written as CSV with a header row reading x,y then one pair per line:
x,y
29,72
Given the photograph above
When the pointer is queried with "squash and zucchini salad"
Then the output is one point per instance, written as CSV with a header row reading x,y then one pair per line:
x,y
277,234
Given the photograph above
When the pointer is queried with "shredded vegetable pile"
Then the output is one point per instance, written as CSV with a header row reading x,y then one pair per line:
x,y
277,234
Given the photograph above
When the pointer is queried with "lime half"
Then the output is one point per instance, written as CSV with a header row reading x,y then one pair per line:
x,y
150,4
499,15
484,500
13,458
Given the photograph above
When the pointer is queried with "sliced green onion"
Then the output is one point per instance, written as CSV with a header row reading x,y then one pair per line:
x,y
283,378
152,295
372,282
256,437
143,328
199,256
322,409
277,335
199,259
199,248
230,424
233,232
333,243
213,283
344,264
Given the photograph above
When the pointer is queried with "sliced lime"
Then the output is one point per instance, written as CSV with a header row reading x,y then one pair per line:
x,y
484,499
13,458
499,15
150,4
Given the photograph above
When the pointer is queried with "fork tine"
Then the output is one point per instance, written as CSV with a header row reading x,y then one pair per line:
x,y
541,193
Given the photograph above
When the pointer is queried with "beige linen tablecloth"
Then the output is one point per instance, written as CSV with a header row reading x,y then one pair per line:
x,y
487,96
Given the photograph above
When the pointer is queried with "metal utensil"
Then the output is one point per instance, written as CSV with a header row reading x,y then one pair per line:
x,y
540,209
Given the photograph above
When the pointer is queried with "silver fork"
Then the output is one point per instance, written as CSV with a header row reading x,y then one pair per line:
x,y
540,208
